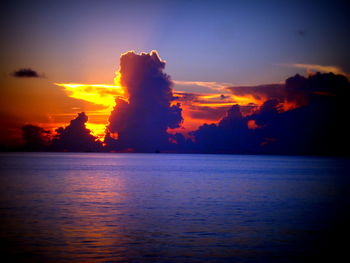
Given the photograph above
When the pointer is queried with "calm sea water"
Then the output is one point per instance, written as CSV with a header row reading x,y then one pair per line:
x,y
86,207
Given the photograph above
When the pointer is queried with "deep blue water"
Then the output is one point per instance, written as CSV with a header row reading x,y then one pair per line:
x,y
86,207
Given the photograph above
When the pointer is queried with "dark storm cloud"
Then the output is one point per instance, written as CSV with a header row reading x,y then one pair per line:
x,y
76,137
25,73
296,89
230,135
319,127
142,122
35,137
321,84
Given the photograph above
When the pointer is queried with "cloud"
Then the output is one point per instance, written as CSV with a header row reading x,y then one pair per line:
x,y
326,84
199,108
230,135
150,111
141,121
101,94
297,91
35,137
25,73
304,115
204,100
205,113
213,85
313,68
76,137
314,128
259,94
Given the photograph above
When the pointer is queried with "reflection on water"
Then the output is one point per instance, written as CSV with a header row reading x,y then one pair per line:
x,y
91,226
169,208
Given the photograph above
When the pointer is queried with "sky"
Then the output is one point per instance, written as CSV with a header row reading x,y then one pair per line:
x,y
207,46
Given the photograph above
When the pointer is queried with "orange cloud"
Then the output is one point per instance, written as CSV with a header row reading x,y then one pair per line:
x,y
252,125
312,68
102,94
200,108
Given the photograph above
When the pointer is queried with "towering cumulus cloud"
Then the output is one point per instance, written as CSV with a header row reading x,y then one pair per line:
x,y
141,123
76,137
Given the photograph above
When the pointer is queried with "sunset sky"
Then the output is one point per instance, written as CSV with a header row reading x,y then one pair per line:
x,y
209,47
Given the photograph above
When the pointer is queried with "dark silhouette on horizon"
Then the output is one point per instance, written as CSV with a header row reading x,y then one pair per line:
x,y
36,138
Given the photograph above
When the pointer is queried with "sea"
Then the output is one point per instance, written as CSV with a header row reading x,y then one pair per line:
x,y
129,207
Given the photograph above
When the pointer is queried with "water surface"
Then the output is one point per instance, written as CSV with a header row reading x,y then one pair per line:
x,y
86,207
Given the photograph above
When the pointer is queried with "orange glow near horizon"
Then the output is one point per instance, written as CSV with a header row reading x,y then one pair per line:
x,y
100,94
